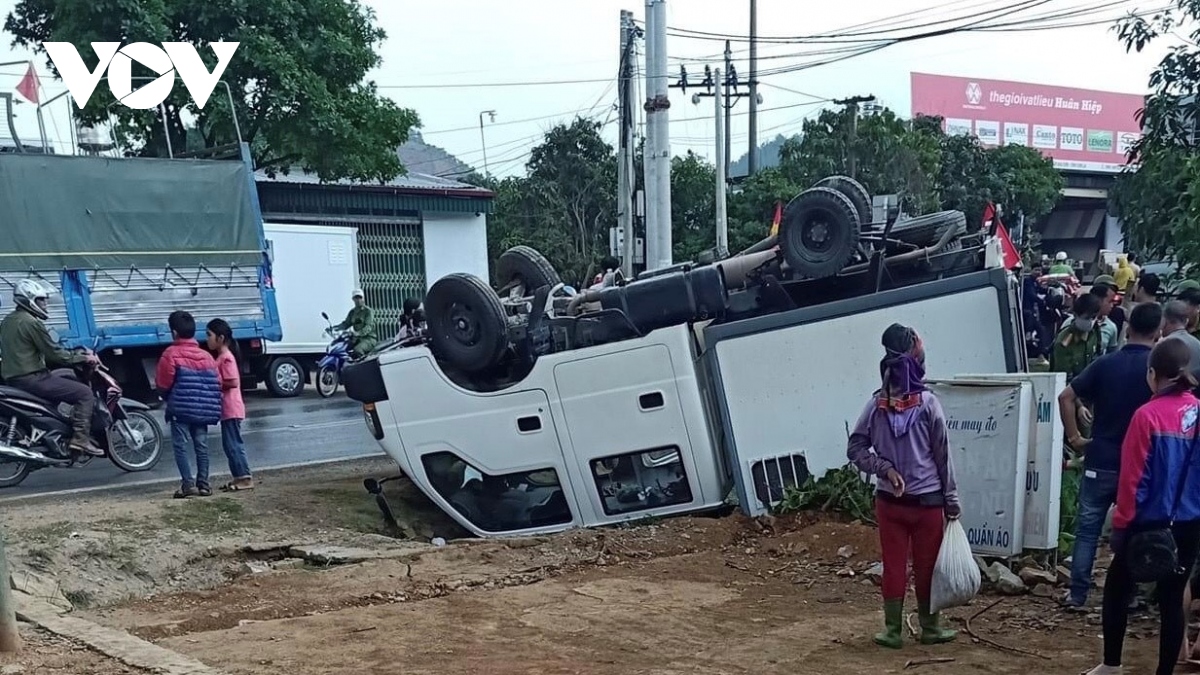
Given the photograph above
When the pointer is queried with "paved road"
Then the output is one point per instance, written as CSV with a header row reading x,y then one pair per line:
x,y
278,432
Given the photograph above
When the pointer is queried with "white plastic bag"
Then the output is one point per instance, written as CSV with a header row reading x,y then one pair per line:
x,y
956,577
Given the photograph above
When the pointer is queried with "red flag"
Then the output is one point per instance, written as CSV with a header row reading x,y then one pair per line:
x,y
778,218
29,85
1012,257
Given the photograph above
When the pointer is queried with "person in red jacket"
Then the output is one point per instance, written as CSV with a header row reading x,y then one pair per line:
x,y
1159,485
187,377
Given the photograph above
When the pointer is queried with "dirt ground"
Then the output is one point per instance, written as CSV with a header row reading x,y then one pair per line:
x,y
688,595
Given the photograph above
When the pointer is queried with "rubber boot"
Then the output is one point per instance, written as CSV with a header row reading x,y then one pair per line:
x,y
81,422
932,632
892,636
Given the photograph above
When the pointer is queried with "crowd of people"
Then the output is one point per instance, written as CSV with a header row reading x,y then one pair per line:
x,y
1132,359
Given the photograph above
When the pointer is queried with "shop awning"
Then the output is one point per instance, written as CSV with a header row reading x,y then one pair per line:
x,y
1074,224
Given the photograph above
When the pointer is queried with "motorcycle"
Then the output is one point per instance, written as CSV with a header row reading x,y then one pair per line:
x,y
337,355
34,433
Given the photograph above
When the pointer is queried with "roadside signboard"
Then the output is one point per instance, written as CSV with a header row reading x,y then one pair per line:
x,y
1043,475
1079,129
990,426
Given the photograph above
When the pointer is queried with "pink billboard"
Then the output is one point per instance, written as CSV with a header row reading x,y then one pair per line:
x,y
1078,128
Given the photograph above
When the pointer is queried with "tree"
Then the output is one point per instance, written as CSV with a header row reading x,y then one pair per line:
x,y
890,157
297,79
693,207
1156,197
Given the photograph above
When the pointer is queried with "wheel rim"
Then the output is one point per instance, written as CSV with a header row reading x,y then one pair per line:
x,y
327,381
9,469
464,325
816,236
149,449
287,376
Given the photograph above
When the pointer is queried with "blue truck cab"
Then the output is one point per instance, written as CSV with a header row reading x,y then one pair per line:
x,y
126,241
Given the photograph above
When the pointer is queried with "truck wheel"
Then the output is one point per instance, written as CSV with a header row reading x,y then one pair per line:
x,y
526,266
467,326
819,232
928,229
855,192
285,377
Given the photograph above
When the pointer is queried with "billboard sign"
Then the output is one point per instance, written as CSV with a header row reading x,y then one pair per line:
x,y
1079,129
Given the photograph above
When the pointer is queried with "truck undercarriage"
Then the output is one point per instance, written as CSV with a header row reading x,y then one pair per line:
x,y
533,408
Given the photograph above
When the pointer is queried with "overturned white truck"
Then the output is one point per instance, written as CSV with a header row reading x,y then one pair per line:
x,y
530,410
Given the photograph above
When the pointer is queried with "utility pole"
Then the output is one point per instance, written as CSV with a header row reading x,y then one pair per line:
x,y
483,139
851,105
713,86
658,103
753,155
625,173
650,146
721,217
732,96
10,638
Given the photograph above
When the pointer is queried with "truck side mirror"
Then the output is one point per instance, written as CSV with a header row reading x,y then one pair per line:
x,y
324,316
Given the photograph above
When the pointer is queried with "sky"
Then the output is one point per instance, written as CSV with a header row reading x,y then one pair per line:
x,y
452,59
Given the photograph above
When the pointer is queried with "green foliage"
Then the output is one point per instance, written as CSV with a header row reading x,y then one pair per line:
x,y
693,204
567,202
298,78
1069,510
1158,196
841,490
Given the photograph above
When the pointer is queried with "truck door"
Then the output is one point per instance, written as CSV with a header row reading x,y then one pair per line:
x,y
628,437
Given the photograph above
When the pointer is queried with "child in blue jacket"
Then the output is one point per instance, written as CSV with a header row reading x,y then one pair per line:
x,y
187,377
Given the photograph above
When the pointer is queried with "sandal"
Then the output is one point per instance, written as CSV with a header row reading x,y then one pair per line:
x,y
184,493
204,491
237,485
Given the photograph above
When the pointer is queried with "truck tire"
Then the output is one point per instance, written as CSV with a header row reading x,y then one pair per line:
x,y
928,229
285,377
466,323
819,233
855,192
526,265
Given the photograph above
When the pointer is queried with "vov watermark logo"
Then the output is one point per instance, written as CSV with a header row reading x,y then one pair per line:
x,y
171,58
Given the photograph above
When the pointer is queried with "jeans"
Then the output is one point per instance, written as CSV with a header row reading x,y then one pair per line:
x,y
1119,586
906,529
181,432
1097,494
235,448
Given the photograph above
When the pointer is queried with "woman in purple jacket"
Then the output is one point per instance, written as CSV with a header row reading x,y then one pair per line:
x,y
900,439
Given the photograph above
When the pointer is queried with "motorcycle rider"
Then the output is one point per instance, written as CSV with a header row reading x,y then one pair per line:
x,y
361,322
1061,264
29,354
411,319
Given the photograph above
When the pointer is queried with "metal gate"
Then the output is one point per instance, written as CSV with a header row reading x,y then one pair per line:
x,y
391,266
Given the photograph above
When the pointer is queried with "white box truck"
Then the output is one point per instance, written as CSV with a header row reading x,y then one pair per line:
x,y
315,270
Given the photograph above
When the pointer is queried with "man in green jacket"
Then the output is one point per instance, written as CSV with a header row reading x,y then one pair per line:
x,y
28,353
361,322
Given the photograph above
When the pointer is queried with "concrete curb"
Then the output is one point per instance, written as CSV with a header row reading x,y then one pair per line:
x,y
118,644
135,486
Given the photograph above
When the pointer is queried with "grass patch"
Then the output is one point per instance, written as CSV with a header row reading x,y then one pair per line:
x,y
80,599
352,508
205,516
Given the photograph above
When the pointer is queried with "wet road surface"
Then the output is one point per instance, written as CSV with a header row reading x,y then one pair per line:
x,y
278,432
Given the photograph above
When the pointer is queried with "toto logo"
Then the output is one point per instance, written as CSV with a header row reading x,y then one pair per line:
x,y
974,93
171,58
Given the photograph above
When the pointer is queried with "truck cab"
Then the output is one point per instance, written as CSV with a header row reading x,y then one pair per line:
x,y
589,437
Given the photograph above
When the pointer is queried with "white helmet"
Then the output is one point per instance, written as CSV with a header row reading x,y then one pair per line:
x,y
28,292
357,293
1061,256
